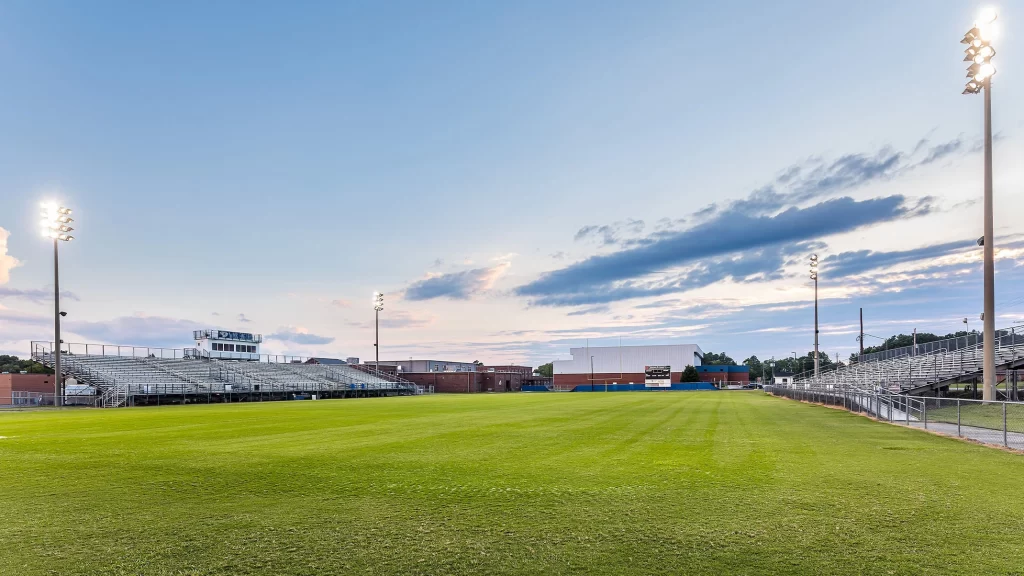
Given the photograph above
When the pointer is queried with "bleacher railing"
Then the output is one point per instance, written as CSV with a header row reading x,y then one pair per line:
x,y
932,362
995,422
77,348
1004,336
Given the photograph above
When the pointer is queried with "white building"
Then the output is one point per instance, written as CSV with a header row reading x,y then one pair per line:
x,y
227,345
626,363
429,365
781,378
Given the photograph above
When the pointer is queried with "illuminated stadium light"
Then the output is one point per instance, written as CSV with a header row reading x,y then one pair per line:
x,y
55,224
378,305
814,276
979,53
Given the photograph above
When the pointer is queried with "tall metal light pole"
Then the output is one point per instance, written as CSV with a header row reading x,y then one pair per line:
x,y
378,305
979,53
55,220
814,276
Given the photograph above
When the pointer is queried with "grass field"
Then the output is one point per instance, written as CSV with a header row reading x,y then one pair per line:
x,y
980,415
619,483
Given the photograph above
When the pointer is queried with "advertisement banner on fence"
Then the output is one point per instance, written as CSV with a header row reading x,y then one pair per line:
x,y
658,376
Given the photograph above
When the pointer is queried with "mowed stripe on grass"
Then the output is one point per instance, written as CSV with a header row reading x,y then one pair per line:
x,y
591,483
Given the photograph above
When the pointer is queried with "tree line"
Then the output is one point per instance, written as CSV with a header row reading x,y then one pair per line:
x,y
13,365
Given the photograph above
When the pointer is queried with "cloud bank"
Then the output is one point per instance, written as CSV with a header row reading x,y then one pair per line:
x,y
456,285
299,336
7,262
747,240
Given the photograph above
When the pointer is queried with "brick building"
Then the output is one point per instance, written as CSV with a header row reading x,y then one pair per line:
x,y
14,386
468,382
736,374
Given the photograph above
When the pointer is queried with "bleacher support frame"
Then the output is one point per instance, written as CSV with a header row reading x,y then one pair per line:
x,y
138,375
927,368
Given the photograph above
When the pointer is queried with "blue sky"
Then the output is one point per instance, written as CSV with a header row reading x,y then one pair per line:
x,y
516,177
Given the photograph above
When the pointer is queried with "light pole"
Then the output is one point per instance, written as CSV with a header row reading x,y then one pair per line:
x,y
979,53
55,220
378,305
814,276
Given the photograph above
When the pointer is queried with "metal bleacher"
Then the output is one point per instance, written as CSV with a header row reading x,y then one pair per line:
x,y
125,375
922,368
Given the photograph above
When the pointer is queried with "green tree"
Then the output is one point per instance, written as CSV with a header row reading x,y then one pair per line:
x,y
756,367
690,375
712,359
798,365
13,365
546,370
901,340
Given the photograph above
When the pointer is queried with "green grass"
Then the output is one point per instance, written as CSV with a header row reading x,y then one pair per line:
x,y
619,483
980,415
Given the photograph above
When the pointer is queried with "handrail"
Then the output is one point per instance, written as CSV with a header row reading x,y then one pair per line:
x,y
973,338
127,350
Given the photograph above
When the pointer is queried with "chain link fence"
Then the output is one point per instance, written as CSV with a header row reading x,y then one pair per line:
x,y
998,423
19,400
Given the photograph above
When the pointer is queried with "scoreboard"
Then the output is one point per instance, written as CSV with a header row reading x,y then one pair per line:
x,y
658,376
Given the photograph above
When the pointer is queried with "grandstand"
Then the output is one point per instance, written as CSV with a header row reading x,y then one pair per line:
x,y
925,368
136,375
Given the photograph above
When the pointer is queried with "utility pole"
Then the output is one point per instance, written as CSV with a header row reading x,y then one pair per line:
x,y
861,332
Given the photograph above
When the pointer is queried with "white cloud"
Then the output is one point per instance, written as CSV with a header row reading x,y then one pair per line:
x,y
7,262
300,335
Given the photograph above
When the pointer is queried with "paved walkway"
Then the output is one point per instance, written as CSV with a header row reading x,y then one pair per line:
x,y
984,435
995,437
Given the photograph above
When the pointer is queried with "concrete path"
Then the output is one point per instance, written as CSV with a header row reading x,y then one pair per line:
x,y
984,435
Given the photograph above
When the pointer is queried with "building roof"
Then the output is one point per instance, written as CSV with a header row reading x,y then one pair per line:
x,y
782,374
722,368
328,361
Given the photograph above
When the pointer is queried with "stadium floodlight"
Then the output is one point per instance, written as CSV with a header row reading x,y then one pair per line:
x,y
814,276
979,53
378,305
55,225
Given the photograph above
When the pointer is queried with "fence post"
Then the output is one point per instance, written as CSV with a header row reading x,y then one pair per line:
x,y
958,417
924,412
906,408
1005,443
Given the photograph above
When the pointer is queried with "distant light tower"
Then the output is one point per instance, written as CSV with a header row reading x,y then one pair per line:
x,y
378,305
814,276
55,220
979,53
